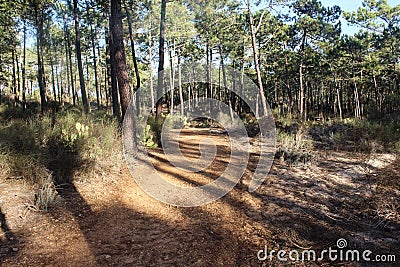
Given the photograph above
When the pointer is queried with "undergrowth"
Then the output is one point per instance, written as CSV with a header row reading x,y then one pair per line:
x,y
297,140
50,150
357,135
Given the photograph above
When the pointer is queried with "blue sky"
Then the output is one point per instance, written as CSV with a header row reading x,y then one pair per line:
x,y
351,5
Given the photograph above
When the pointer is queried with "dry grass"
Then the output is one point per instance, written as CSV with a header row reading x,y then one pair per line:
x,y
45,151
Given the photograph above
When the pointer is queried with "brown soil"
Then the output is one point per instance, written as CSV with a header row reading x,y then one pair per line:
x,y
109,221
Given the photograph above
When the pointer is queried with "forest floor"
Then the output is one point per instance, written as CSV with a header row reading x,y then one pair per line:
x,y
107,220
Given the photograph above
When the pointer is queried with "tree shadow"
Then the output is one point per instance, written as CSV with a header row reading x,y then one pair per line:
x,y
8,247
308,212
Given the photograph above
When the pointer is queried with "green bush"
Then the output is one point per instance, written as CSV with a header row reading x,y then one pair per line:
x,y
60,146
154,128
175,122
368,136
294,148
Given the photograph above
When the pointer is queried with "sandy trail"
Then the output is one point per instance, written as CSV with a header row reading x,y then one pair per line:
x,y
110,221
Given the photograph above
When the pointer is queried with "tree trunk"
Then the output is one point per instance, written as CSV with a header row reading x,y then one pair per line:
x,y
68,50
100,78
24,70
41,75
241,108
180,81
96,81
301,97
107,77
120,59
207,68
53,81
14,79
113,75
134,59
289,90
226,90
161,60
339,102
210,79
96,78
60,84
357,109
256,60
79,57
172,78
87,81
377,95
18,76
151,75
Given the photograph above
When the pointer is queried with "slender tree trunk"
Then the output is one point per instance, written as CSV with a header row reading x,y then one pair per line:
x,y
305,103
151,75
289,90
256,60
152,90
107,84
87,81
96,81
113,76
377,96
207,67
53,80
190,86
58,85
120,59
172,78
241,108
161,60
226,90
41,75
68,76
208,85
100,78
14,79
18,76
135,64
61,84
357,109
180,81
107,77
301,97
24,69
96,78
339,102
212,88
69,55
79,57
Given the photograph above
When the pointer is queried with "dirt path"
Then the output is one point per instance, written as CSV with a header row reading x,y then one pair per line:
x,y
109,221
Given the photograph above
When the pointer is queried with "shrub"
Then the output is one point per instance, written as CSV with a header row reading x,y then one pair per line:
x,y
175,122
294,148
152,134
367,136
46,197
52,149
